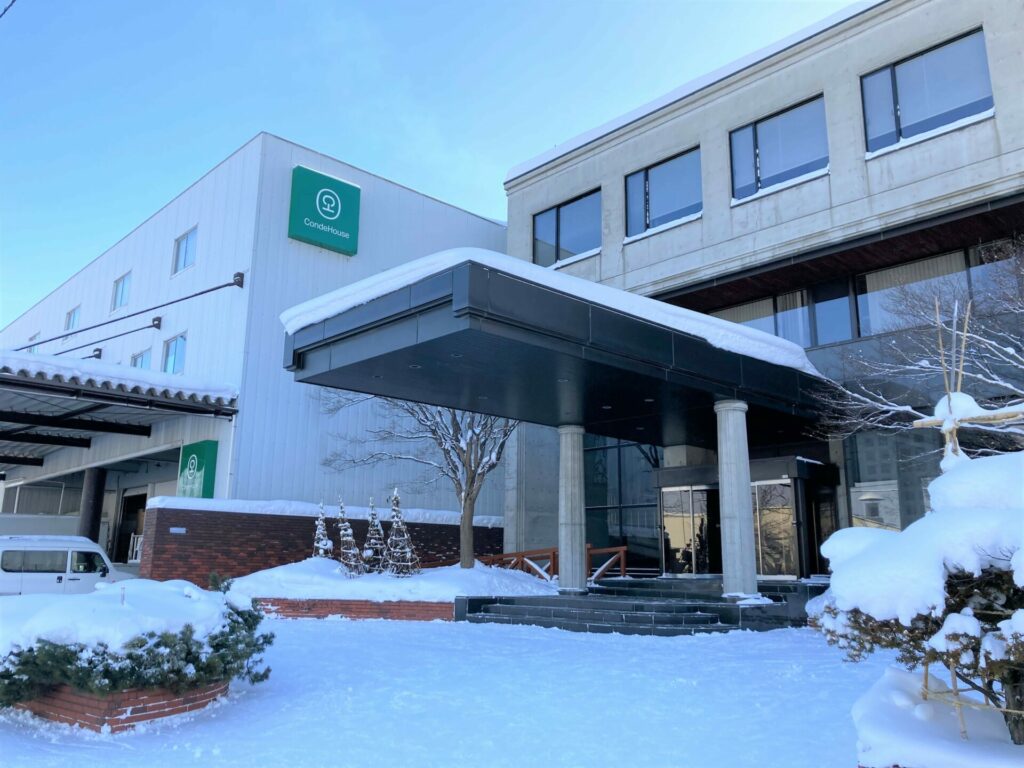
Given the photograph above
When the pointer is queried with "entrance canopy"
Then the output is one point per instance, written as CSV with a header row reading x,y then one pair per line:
x,y
481,331
48,402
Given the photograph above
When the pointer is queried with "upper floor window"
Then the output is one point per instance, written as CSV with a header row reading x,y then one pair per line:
x,y
926,91
71,319
567,230
663,193
174,354
185,251
779,148
141,359
785,315
32,348
119,296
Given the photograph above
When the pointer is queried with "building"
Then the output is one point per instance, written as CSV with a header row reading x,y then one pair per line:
x,y
184,305
797,192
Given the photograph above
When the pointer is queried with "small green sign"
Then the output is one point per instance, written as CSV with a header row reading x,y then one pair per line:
x,y
197,469
324,211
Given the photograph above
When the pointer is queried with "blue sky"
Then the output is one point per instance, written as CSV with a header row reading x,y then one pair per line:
x,y
110,108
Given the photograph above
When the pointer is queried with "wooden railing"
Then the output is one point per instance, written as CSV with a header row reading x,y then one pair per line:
x,y
618,557
543,563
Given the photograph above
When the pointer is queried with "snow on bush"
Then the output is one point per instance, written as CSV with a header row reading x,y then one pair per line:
x,y
137,634
946,591
317,578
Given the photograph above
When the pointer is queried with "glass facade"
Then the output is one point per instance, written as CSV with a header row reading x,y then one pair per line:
x,y
663,193
927,91
567,230
888,300
621,499
779,148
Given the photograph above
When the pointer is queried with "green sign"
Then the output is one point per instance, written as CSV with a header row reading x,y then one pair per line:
x,y
197,469
324,211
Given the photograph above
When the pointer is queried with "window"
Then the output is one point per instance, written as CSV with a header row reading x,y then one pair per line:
x,y
34,561
833,312
779,148
141,359
185,251
663,193
120,295
784,315
567,230
997,275
87,562
904,296
71,319
174,354
927,91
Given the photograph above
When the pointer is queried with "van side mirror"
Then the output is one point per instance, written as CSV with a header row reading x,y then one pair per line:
x,y
104,571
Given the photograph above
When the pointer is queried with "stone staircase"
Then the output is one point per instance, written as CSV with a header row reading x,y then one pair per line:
x,y
663,607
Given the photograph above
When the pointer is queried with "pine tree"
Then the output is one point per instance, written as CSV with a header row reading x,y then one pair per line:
x,y
400,557
373,547
322,544
348,552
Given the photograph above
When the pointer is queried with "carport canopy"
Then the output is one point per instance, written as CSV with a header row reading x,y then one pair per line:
x,y
480,331
50,402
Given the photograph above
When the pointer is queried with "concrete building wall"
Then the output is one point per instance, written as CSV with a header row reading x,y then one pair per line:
x,y
858,194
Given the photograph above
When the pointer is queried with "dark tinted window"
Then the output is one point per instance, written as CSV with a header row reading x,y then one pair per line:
x,y
673,189
579,226
44,561
544,237
933,89
567,230
10,561
832,320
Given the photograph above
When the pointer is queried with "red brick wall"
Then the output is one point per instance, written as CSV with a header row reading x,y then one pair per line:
x,y
235,544
405,610
121,710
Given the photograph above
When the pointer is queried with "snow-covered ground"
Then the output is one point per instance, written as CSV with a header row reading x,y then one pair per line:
x,y
383,693
320,577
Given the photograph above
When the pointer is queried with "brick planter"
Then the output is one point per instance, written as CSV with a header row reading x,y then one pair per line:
x,y
119,711
402,610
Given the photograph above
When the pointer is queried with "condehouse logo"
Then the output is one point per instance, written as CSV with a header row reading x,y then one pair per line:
x,y
328,204
325,228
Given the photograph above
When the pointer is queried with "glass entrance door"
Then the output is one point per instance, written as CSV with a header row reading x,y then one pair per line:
x,y
775,528
691,530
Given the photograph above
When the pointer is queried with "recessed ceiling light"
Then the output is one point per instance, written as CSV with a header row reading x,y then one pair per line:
x,y
481,397
415,366
562,381
606,407
377,376
639,429
456,354
648,399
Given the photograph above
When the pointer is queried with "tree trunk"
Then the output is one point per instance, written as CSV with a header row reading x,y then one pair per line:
x,y
1013,689
466,532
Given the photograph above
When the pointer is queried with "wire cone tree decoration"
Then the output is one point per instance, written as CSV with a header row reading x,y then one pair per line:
x,y
348,552
400,557
374,546
322,544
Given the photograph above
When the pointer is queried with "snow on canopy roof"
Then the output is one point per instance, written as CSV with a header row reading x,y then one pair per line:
x,y
689,89
116,378
719,333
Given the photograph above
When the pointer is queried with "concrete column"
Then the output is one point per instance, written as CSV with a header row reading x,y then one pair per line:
x,y
739,570
91,507
572,520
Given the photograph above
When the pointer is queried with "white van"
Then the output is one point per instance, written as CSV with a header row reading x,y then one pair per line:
x,y
69,564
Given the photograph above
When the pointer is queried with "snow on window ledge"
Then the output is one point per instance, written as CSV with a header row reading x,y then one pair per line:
x,y
663,228
573,259
781,186
942,130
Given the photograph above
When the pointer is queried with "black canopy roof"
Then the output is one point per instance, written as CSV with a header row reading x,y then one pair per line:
x,y
478,338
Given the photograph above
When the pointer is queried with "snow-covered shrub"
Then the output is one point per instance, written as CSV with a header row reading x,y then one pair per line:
x,y
946,591
169,635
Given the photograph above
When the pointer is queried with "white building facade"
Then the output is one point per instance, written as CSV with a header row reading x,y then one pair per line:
x,y
235,219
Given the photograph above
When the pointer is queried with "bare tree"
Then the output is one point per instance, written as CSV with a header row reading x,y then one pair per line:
x,y
459,445
896,377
